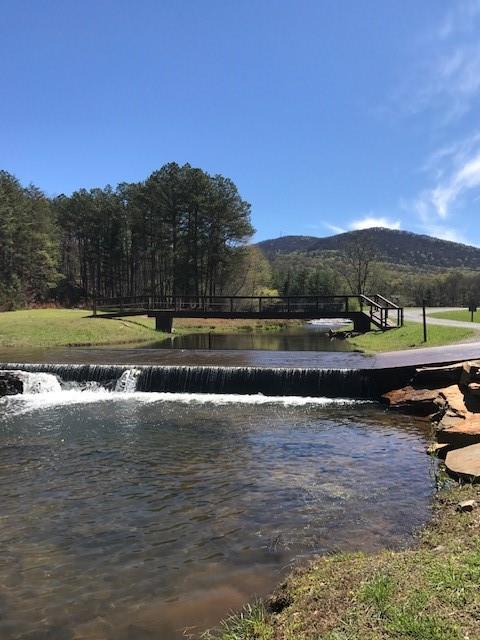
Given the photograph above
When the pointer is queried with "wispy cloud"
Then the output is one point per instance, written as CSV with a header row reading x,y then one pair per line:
x,y
334,228
366,222
456,185
371,221
447,85
445,233
444,71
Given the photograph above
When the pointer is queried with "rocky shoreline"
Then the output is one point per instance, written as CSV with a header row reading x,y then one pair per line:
x,y
450,398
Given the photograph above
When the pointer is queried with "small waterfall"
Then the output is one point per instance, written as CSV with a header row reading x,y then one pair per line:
x,y
39,382
330,383
127,383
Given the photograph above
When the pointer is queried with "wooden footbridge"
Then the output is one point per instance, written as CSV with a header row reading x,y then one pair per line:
x,y
364,311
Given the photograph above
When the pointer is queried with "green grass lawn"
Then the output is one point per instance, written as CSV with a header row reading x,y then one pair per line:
x,y
75,327
70,327
464,315
411,335
429,592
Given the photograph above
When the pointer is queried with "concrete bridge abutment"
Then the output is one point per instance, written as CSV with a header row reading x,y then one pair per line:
x,y
164,323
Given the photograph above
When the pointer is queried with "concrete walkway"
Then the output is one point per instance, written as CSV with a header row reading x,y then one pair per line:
x,y
415,314
427,355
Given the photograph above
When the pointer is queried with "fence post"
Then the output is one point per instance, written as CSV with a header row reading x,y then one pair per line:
x,y
424,313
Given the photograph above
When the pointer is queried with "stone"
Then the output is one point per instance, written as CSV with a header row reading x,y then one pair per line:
x,y
474,388
451,399
439,449
466,505
10,384
459,430
435,377
420,402
464,463
459,425
470,372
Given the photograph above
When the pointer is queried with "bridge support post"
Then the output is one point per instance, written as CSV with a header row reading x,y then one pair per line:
x,y
361,323
164,323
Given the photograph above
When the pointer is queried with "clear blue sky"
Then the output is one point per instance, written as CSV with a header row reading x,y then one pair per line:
x,y
327,114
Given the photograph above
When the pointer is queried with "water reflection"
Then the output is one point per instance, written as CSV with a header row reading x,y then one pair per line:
x,y
128,519
308,338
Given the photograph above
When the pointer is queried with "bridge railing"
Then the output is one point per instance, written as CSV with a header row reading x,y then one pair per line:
x,y
383,312
230,303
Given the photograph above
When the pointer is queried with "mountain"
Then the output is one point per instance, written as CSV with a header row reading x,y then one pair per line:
x,y
393,246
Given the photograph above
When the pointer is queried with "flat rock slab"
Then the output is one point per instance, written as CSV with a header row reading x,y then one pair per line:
x,y
465,462
471,372
434,377
474,388
451,398
420,402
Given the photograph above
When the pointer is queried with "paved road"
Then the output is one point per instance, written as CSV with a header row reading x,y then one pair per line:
x,y
415,315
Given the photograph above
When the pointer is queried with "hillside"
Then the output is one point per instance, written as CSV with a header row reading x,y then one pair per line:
x,y
393,246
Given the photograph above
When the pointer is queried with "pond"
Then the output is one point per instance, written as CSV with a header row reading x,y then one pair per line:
x,y
137,515
312,336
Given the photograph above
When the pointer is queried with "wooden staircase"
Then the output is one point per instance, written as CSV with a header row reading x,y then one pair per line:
x,y
383,313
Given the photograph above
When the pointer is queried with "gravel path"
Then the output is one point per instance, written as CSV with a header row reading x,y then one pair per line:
x,y
414,314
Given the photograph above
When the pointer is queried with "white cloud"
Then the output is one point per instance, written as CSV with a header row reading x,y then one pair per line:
x,y
371,221
442,68
334,228
439,201
444,233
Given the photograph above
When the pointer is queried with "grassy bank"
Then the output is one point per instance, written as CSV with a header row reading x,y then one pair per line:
x,y
429,592
409,336
74,327
463,315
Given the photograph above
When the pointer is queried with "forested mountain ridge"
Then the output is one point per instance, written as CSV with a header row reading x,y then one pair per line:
x,y
182,231
392,246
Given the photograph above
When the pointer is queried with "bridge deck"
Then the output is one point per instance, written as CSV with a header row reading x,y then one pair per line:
x,y
361,310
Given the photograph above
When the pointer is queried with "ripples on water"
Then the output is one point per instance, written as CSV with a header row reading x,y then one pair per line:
x,y
133,518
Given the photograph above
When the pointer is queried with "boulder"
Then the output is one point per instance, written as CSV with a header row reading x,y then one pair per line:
x,y
435,377
439,449
10,384
419,402
451,399
466,505
464,463
458,426
470,372
474,389
459,431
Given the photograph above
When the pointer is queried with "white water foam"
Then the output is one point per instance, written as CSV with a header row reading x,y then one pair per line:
x,y
127,383
27,403
38,383
329,321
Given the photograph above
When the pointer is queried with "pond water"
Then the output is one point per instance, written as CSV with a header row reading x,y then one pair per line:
x,y
309,337
138,515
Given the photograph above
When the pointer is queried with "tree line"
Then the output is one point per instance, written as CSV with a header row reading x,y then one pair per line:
x,y
179,232
356,269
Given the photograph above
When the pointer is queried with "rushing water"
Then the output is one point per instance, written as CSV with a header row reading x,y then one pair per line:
x,y
131,515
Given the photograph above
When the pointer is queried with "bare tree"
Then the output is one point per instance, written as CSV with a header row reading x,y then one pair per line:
x,y
357,264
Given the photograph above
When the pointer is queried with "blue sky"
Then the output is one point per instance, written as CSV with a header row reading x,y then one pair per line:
x,y
327,115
